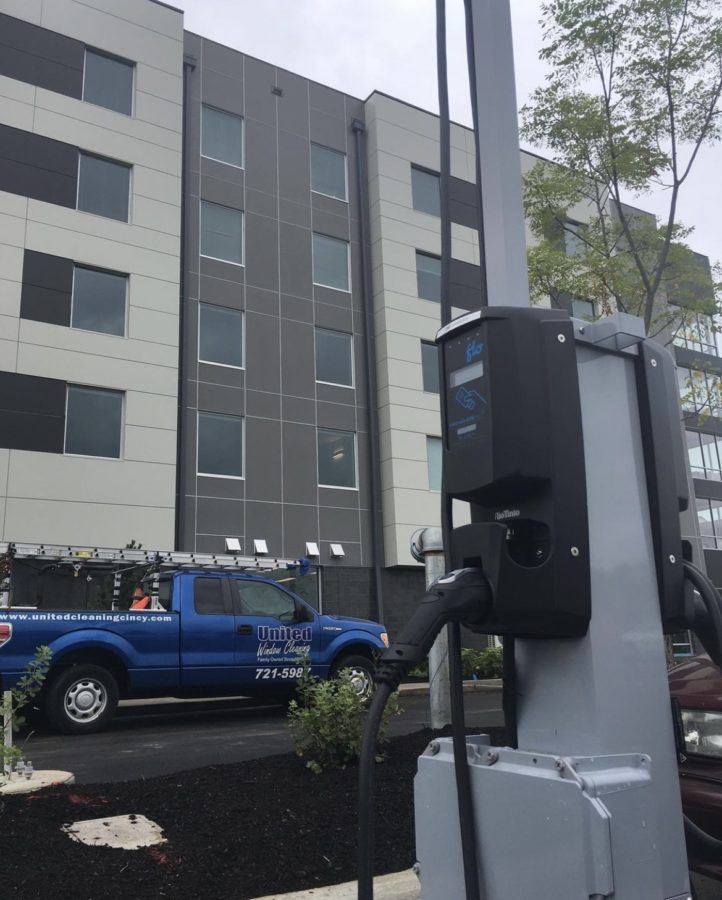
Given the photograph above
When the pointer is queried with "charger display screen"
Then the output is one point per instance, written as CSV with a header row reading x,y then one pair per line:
x,y
466,388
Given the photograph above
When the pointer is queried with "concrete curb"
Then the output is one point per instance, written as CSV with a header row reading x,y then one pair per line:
x,y
41,779
488,684
399,886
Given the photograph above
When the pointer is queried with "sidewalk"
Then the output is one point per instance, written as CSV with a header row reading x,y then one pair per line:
x,y
399,886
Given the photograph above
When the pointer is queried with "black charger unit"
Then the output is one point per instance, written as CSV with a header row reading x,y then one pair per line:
x,y
513,449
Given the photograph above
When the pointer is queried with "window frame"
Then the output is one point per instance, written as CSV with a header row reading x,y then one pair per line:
x,y
433,437
426,390
228,262
121,436
208,362
343,199
425,171
417,254
117,162
351,386
133,84
331,287
337,487
242,419
225,162
126,313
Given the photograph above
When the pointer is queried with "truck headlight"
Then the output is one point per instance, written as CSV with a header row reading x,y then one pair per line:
x,y
384,638
702,732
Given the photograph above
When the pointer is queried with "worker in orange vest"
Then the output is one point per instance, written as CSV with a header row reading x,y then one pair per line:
x,y
141,600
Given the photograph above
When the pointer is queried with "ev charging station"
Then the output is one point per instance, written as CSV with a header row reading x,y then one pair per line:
x,y
564,437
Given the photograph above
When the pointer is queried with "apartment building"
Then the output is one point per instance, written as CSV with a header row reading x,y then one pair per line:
x,y
90,174
208,265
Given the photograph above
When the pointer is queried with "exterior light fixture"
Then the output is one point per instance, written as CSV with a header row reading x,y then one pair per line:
x,y
233,545
260,547
337,551
312,549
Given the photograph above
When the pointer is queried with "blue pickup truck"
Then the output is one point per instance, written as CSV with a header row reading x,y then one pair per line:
x,y
214,633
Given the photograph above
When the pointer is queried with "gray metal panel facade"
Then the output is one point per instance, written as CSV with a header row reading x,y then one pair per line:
x,y
278,499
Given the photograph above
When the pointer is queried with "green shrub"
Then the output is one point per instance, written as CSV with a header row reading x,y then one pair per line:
x,y
327,721
27,688
485,663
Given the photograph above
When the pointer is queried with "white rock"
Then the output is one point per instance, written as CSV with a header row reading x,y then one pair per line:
x,y
122,832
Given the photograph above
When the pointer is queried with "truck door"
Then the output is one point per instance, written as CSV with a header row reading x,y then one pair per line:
x,y
207,633
273,629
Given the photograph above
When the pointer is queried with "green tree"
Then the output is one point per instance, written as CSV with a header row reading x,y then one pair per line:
x,y
632,95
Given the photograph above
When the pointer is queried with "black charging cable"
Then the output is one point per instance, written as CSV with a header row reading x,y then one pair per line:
x,y
463,595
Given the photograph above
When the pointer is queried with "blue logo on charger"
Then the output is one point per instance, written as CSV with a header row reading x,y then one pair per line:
x,y
469,399
473,349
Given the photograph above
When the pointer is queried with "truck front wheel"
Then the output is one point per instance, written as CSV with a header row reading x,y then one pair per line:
x,y
81,699
361,672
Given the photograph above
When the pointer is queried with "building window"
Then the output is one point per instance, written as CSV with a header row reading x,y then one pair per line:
x,y
220,445
222,136
221,232
336,458
220,336
705,454
330,262
425,191
103,187
428,276
573,243
93,420
334,357
433,461
583,309
700,391
709,516
328,172
430,366
99,301
698,334
108,81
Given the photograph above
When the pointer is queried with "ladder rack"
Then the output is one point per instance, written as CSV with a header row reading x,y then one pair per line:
x,y
163,558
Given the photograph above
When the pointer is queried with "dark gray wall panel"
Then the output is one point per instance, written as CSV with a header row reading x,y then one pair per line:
x,y
339,524
330,393
294,162
261,157
263,460
299,409
220,399
336,415
221,375
296,308
223,488
334,318
294,213
300,524
332,224
221,291
296,269
32,413
219,57
260,102
328,130
261,203
215,516
41,57
263,404
463,205
297,359
261,252
222,92
24,431
262,301
264,521
466,290
300,473
38,167
335,497
326,99
263,353
47,288
293,106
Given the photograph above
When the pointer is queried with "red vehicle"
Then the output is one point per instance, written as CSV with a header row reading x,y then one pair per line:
x,y
697,687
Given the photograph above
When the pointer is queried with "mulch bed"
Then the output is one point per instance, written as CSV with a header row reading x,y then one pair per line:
x,y
235,832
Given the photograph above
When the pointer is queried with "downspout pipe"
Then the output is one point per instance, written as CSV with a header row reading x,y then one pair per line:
x,y
189,64
359,130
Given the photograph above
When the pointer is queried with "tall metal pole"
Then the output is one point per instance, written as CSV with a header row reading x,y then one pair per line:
x,y
432,546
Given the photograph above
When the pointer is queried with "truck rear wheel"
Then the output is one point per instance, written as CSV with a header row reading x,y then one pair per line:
x,y
81,699
361,671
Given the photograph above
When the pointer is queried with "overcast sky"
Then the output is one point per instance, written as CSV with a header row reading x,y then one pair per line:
x,y
358,46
